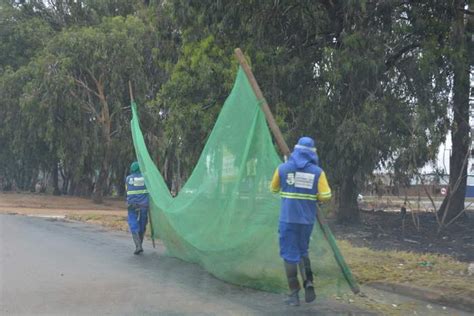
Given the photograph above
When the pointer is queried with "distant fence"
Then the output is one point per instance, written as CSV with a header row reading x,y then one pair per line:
x,y
434,184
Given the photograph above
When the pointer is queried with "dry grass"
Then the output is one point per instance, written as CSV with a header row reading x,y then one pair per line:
x,y
438,272
115,222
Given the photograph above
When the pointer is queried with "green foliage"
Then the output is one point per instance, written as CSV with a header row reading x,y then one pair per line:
x,y
191,99
368,100
369,80
97,63
22,37
56,112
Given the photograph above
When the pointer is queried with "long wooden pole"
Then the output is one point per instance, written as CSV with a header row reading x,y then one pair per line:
x,y
285,151
130,91
152,232
266,109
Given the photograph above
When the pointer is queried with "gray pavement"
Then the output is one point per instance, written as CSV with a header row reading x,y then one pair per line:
x,y
54,267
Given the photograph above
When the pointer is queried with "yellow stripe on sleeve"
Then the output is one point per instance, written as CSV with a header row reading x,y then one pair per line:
x,y
324,191
275,184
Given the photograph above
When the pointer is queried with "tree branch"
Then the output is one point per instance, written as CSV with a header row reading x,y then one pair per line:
x,y
85,86
457,216
391,60
86,106
92,76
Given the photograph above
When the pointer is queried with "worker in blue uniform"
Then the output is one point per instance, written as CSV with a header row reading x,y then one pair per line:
x,y
301,184
138,203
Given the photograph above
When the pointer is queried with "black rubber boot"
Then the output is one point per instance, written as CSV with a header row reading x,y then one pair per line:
x,y
307,275
293,283
138,245
293,299
142,236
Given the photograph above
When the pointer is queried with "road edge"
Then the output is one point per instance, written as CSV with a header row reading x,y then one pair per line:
x,y
458,302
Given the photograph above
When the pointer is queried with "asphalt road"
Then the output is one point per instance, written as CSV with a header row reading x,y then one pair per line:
x,y
54,267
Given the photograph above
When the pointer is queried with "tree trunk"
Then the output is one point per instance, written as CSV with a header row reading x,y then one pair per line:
x,y
348,210
460,127
22,180
72,187
55,176
121,186
101,183
65,186
106,123
33,181
167,174
178,173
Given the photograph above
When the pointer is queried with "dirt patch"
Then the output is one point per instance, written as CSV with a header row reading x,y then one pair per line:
x,y
41,204
379,230
114,222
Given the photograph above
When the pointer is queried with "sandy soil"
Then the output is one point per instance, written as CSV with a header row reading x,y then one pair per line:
x,y
41,204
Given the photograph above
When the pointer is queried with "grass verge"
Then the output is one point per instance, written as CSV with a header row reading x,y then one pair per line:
x,y
114,222
438,272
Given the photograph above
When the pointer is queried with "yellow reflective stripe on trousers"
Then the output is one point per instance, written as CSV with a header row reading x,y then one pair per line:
x,y
137,192
298,196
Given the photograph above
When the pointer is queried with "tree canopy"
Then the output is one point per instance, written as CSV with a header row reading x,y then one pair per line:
x,y
371,81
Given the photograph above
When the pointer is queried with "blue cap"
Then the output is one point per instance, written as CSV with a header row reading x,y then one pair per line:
x,y
306,143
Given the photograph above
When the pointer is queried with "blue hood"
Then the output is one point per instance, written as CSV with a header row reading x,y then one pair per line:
x,y
304,153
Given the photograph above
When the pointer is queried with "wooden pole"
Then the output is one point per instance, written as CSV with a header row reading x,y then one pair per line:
x,y
130,91
152,232
285,150
266,109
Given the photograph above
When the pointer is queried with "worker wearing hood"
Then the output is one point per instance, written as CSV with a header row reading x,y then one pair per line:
x,y
301,184
138,203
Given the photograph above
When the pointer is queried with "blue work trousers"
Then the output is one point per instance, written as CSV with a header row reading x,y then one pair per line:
x,y
137,218
294,241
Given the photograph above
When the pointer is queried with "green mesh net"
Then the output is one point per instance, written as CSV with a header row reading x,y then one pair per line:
x,y
225,218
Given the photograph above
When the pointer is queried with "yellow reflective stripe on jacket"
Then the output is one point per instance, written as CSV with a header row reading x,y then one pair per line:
x,y
133,192
324,196
298,196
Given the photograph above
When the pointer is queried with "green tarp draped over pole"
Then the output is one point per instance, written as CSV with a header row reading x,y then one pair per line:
x,y
225,218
